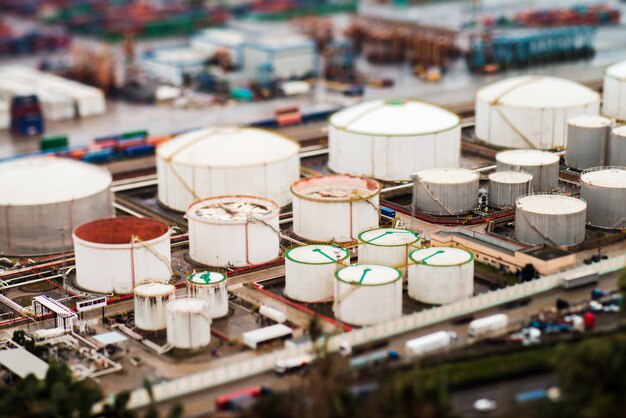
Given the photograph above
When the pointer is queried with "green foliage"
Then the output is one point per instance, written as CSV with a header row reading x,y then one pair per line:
x,y
621,284
498,367
59,395
592,377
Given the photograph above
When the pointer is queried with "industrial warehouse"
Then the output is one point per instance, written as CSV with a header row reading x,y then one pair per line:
x,y
220,265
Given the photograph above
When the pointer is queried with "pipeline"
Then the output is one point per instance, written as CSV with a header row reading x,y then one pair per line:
x,y
308,311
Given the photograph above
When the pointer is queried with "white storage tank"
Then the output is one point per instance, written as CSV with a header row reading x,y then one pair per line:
x,y
614,91
392,139
210,286
310,271
233,231
440,275
445,191
334,208
367,294
604,190
42,200
188,323
544,167
551,219
150,301
226,161
531,111
617,147
506,186
588,141
387,246
113,255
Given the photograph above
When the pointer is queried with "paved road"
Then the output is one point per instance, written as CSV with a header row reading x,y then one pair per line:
x,y
502,393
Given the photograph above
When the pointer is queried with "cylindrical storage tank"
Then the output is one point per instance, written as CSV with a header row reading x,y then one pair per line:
x,y
42,200
617,147
440,275
531,111
604,190
233,231
150,301
387,246
367,294
614,91
391,139
506,186
114,254
445,191
221,161
310,271
588,141
551,219
188,323
210,286
334,208
544,167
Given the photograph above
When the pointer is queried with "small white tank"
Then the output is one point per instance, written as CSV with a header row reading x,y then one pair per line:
x,y
445,191
188,323
543,165
310,271
440,275
604,190
551,219
387,246
210,286
367,294
588,141
614,91
506,186
150,301
617,154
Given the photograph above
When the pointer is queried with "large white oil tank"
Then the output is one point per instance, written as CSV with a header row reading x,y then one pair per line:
x,y
445,191
42,200
544,167
531,111
440,275
604,189
210,286
367,294
588,141
391,139
188,323
387,246
233,231
150,301
114,255
310,271
614,91
226,161
334,208
506,186
617,147
552,219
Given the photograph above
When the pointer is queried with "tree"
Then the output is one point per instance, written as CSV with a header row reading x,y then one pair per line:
x,y
621,284
527,273
59,395
592,376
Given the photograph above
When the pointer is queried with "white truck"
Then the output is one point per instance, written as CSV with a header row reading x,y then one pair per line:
x,y
429,343
488,326
282,366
